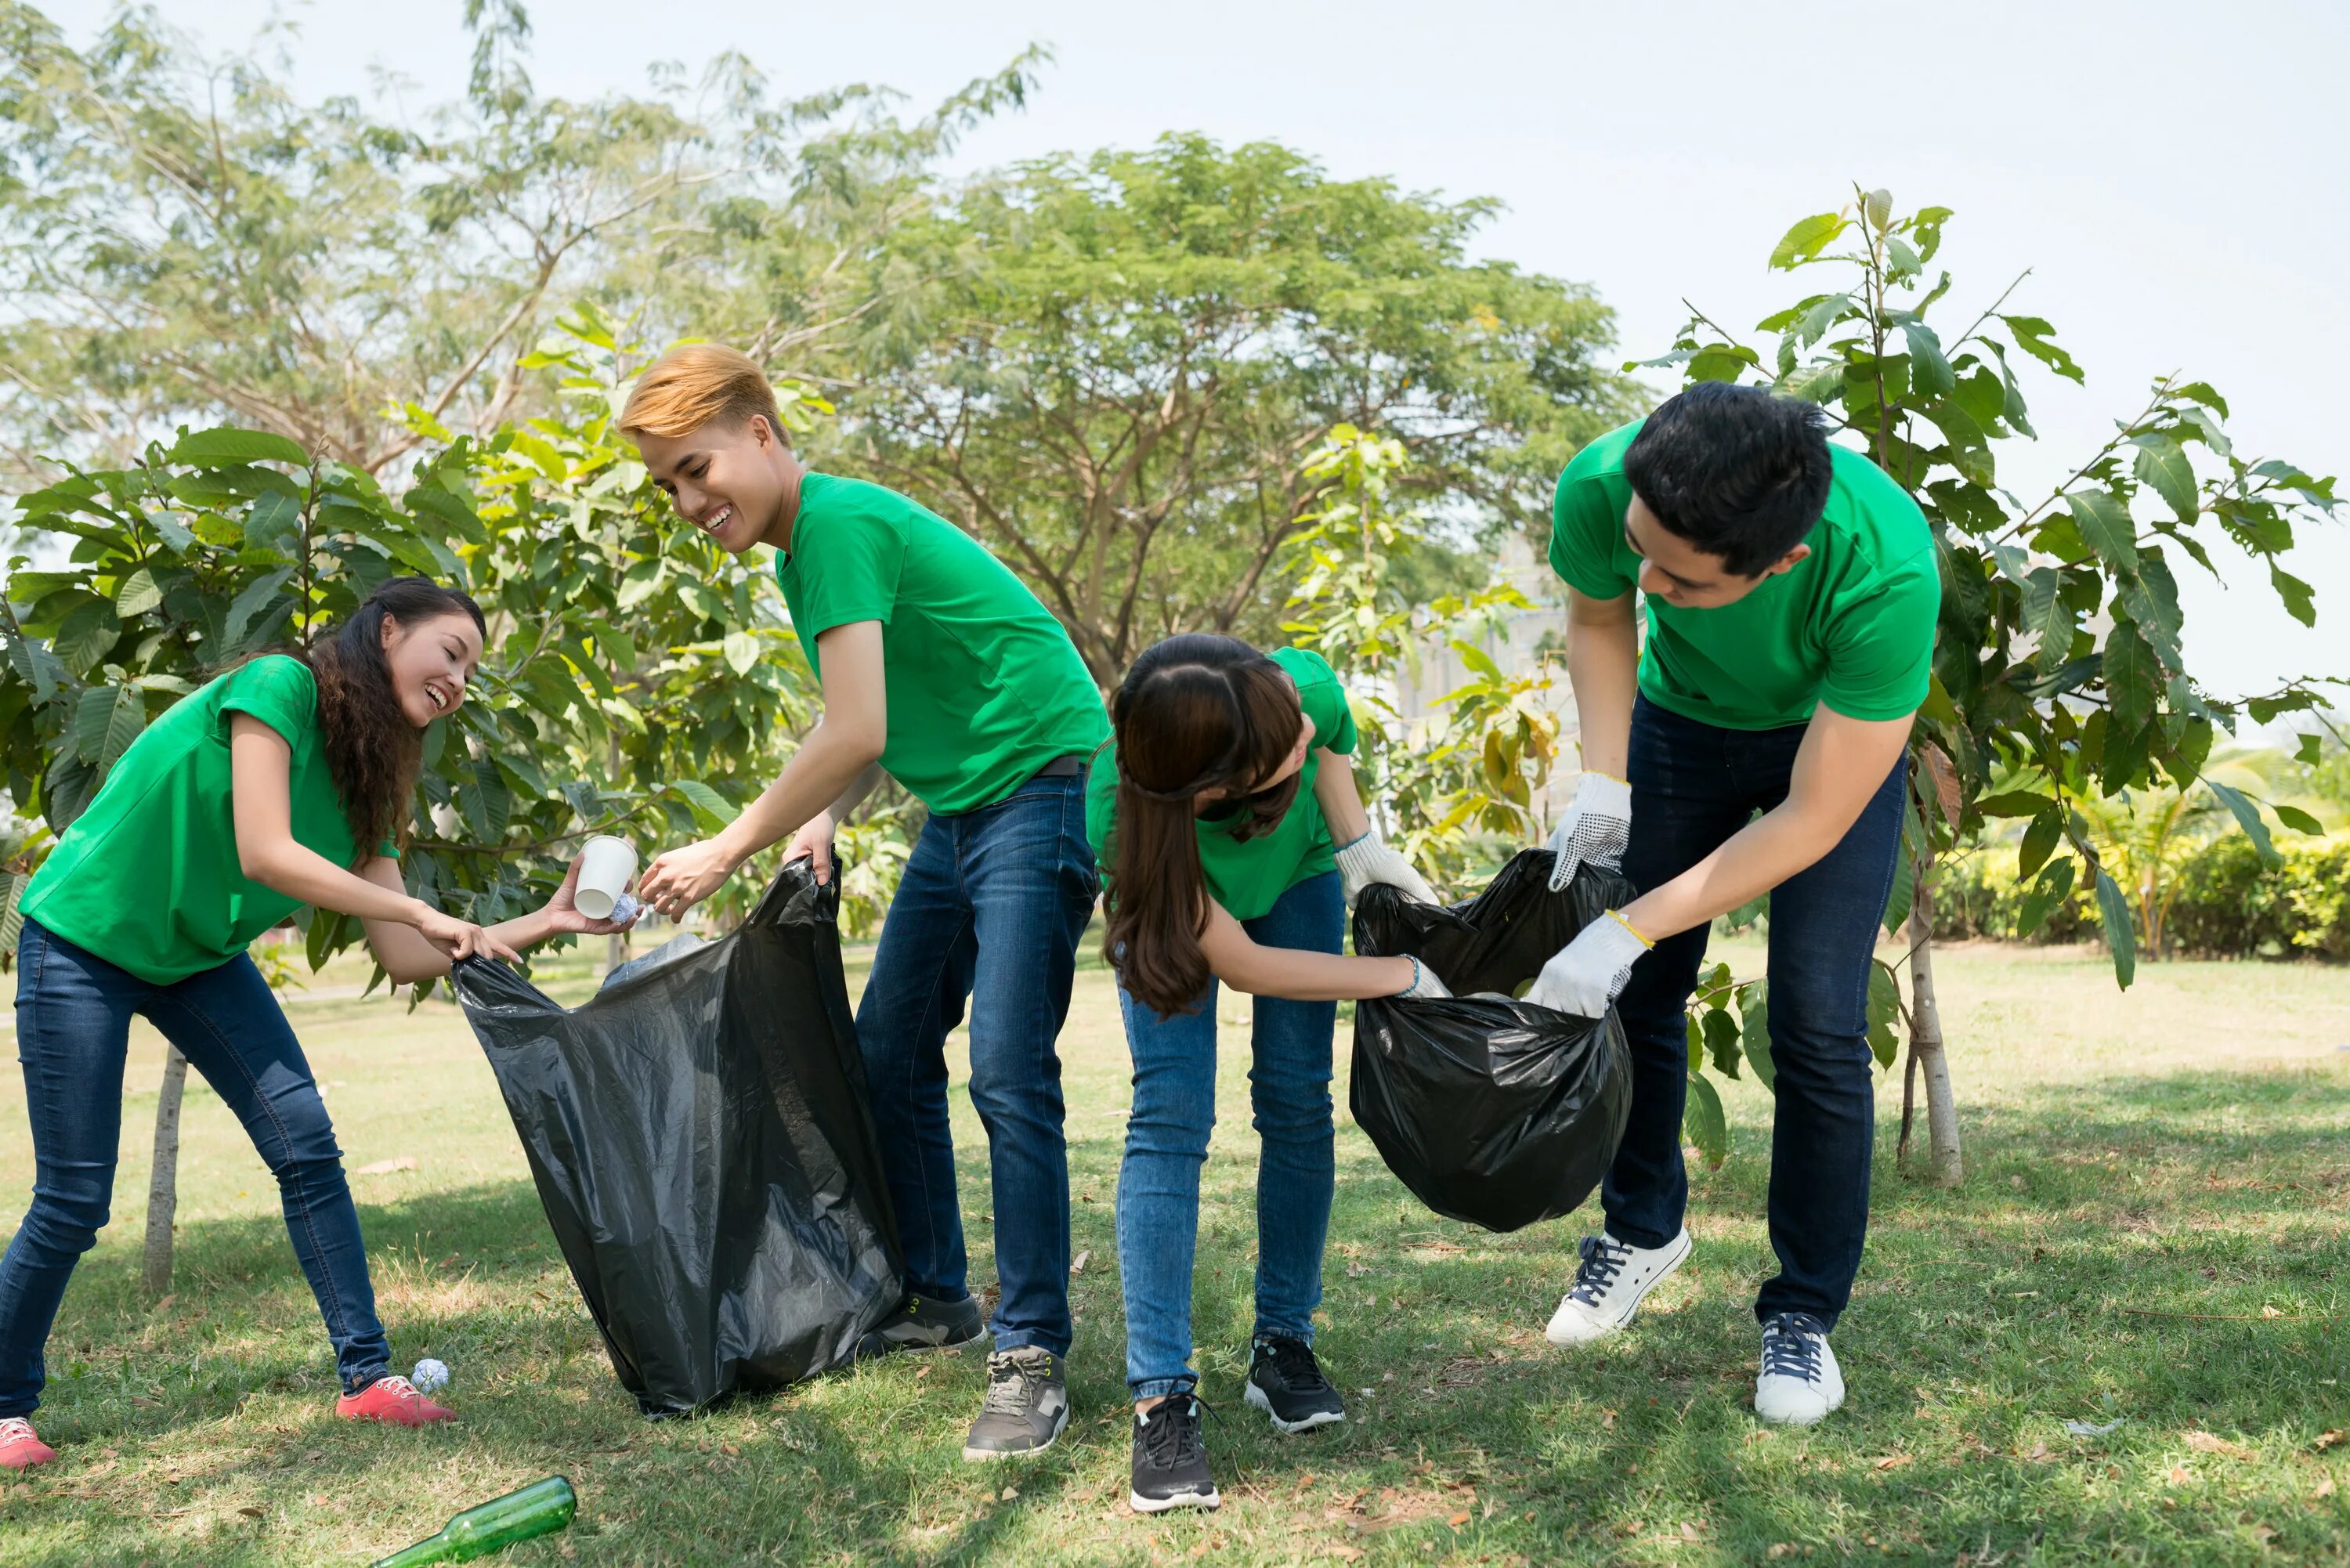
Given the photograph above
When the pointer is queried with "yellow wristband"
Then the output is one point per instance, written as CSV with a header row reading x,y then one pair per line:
x,y
1617,917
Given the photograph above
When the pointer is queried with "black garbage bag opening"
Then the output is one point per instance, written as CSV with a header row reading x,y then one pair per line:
x,y
699,1135
1490,1109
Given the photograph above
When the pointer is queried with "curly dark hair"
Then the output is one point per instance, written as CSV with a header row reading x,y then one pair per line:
x,y
373,749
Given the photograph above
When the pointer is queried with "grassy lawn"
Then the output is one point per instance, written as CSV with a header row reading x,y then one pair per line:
x,y
2155,1230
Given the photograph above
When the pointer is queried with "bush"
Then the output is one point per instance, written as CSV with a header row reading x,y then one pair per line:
x,y
2227,905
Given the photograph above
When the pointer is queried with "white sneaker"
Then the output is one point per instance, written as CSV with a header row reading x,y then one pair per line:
x,y
1801,1382
1609,1286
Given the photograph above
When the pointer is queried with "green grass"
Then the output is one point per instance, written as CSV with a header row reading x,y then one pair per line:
x,y
2179,1149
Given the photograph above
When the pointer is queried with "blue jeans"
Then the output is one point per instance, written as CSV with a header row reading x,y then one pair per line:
x,y
989,911
1694,786
1166,1143
73,1031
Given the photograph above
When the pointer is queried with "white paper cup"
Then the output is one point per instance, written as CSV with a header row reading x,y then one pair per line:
x,y
606,866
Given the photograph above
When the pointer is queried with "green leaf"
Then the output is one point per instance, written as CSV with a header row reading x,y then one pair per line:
x,y
1929,372
1721,1041
1704,1122
87,635
1884,1010
741,651
1696,1046
2047,616
2031,335
2310,749
1819,318
138,594
2299,599
2163,468
2133,680
246,605
2015,803
106,720
1806,240
1755,1011
2041,837
2106,525
432,501
1969,447
487,803
2121,937
2248,818
1904,893
2202,393
227,445
2300,821
707,803
2054,885
36,666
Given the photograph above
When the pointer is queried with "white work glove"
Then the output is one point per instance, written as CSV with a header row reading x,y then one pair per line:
x,y
1366,860
1593,829
1585,976
1424,986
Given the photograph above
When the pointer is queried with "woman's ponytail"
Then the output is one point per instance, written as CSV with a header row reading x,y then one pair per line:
x,y
1195,713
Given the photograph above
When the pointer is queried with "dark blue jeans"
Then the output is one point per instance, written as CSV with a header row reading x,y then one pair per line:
x,y
1166,1143
989,911
1694,786
73,1030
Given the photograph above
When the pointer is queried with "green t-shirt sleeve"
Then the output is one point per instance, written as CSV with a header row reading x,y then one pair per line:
x,y
1323,697
1586,533
1101,798
1881,650
279,691
848,572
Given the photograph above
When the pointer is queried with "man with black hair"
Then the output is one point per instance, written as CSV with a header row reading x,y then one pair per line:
x,y
1755,745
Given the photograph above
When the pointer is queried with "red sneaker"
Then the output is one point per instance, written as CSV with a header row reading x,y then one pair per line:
x,y
393,1400
20,1449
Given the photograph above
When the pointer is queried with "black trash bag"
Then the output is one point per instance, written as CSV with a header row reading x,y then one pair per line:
x,y
1491,1110
700,1136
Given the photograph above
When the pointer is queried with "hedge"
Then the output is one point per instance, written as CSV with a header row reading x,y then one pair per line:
x,y
2227,905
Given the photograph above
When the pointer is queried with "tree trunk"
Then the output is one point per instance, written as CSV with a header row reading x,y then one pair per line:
x,y
1926,1041
163,1181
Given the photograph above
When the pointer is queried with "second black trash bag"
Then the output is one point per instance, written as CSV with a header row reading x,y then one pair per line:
x,y
1490,1109
699,1135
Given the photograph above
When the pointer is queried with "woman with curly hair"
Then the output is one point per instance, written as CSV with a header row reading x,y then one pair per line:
x,y
282,783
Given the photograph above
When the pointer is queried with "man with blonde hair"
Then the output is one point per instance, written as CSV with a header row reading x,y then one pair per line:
x,y
941,667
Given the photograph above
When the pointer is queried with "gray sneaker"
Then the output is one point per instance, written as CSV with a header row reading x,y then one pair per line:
x,y
923,1322
1027,1405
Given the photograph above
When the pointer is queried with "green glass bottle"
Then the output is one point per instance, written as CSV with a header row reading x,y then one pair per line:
x,y
540,1508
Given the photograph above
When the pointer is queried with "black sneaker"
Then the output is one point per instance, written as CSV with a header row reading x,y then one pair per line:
x,y
923,1322
1285,1382
1027,1405
1171,1462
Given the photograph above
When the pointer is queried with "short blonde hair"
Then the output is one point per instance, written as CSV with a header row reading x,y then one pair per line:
x,y
697,384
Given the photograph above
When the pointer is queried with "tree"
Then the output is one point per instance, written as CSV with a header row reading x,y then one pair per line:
x,y
1119,365
2059,654
1470,767
637,678
193,243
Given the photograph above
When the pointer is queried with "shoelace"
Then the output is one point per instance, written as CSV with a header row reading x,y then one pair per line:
x,y
1791,1346
1012,1379
1603,1260
16,1429
1170,1431
396,1386
1293,1361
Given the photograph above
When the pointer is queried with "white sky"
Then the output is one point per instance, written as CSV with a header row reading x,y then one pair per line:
x,y
2176,174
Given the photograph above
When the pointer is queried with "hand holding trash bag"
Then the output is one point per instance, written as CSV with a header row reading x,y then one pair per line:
x,y
1593,829
1588,974
1366,861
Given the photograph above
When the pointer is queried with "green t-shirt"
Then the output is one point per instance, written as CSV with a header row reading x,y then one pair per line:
x,y
1851,625
983,685
1248,876
148,878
